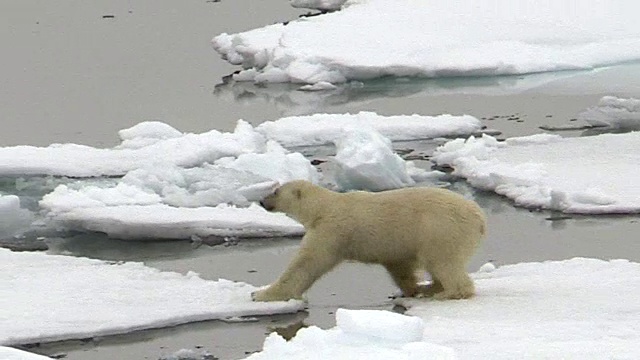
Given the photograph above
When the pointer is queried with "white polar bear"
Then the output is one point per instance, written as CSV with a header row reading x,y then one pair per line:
x,y
405,230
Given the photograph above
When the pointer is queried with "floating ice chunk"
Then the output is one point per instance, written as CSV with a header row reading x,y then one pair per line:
x,y
95,298
75,160
487,268
377,38
318,4
13,218
358,335
382,325
146,133
7,353
596,175
160,221
320,129
615,113
319,86
276,164
365,161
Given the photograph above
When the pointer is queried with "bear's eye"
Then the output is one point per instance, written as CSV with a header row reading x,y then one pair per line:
x,y
276,192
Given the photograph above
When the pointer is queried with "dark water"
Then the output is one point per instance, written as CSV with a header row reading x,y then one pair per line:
x,y
70,74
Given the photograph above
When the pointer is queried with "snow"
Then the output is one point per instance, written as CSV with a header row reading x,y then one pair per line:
x,y
359,334
46,298
320,129
591,175
614,113
7,353
572,309
374,38
365,161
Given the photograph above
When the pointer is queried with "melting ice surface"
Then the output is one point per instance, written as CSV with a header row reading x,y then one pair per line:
x,y
593,175
374,38
50,297
176,185
549,310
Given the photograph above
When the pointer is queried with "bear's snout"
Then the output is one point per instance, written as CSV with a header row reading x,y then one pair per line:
x,y
266,204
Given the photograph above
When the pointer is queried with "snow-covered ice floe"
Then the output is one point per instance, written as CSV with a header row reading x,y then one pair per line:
x,y
613,112
144,144
49,298
572,309
358,334
591,175
374,38
7,353
165,184
320,129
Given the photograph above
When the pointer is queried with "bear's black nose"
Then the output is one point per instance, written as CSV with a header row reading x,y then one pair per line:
x,y
262,204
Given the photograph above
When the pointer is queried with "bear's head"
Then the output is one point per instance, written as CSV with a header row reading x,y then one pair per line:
x,y
284,198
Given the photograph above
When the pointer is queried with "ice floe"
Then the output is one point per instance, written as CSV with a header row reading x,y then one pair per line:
x,y
595,175
160,183
375,38
358,334
613,112
318,4
320,129
549,310
49,297
142,145
7,353
572,309
154,222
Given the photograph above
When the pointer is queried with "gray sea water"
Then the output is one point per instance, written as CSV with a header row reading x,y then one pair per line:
x,y
78,71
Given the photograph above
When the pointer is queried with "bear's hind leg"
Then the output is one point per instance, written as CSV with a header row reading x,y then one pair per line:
x,y
403,274
455,282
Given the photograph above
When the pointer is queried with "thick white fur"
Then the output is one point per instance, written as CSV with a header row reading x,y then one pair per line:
x,y
406,230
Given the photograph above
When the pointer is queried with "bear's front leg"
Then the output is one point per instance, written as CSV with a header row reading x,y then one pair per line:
x,y
307,266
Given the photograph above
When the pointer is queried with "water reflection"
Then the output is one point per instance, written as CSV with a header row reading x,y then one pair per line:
x,y
290,101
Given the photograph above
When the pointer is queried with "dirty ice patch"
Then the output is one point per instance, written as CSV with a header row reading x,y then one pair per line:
x,y
320,129
160,221
376,38
358,334
365,160
591,175
144,144
47,298
613,112
572,309
7,353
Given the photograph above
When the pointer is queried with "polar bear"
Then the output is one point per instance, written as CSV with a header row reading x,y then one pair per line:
x,y
406,230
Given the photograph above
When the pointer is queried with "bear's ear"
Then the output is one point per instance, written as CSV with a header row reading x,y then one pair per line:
x,y
297,193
